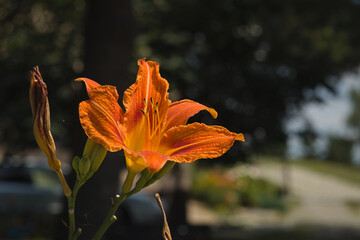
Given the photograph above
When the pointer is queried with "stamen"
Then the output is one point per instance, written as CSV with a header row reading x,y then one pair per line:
x,y
142,111
157,130
158,119
153,124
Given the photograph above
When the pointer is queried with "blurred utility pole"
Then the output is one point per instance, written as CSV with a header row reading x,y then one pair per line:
x,y
109,36
177,213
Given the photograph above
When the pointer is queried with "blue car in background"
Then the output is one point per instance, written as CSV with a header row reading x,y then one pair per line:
x,y
32,202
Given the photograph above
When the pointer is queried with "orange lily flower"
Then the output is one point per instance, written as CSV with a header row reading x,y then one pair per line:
x,y
152,130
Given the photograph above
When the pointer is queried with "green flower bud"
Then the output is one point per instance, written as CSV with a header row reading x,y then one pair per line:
x,y
84,167
75,164
93,156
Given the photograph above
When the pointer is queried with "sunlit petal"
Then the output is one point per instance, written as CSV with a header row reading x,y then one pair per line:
x,y
152,130
100,117
179,112
187,143
134,162
154,160
149,91
90,85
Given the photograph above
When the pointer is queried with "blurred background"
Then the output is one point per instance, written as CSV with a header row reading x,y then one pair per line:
x,y
284,73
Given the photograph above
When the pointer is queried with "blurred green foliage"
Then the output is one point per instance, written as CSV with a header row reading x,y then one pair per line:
x,y
43,33
340,150
224,192
250,60
354,117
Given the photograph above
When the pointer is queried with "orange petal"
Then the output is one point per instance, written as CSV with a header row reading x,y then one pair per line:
x,y
154,160
179,112
134,162
90,85
187,143
101,116
149,88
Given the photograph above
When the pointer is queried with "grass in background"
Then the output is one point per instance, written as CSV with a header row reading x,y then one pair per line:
x,y
353,205
348,173
344,172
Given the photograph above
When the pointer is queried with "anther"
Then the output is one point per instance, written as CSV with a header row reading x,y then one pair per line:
x,y
142,111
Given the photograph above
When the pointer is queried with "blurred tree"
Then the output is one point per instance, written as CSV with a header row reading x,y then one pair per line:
x,y
353,121
109,37
308,137
340,150
51,34
354,117
44,33
250,60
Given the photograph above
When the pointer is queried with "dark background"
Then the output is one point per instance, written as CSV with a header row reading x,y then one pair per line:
x,y
252,61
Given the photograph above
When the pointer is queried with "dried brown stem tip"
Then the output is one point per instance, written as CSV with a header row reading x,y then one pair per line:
x,y
166,230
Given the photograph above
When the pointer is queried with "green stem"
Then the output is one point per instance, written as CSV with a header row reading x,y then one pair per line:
x,y
110,218
73,233
126,193
128,182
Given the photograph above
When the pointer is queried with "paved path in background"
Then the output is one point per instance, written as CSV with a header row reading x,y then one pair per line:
x,y
321,201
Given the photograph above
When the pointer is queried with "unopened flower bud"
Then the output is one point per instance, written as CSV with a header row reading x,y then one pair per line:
x,y
84,167
75,164
41,116
93,156
41,124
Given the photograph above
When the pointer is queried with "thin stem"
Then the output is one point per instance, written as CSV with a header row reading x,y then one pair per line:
x,y
128,182
110,217
65,186
126,193
77,233
73,234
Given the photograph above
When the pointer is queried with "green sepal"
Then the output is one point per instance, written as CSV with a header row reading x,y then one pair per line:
x,y
164,170
146,175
